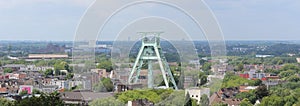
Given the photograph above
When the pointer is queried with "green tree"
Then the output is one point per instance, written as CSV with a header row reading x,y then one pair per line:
x,y
163,93
41,63
279,62
52,99
272,101
204,100
176,98
257,82
290,96
77,87
298,103
111,101
36,91
22,61
5,102
290,67
202,61
48,72
232,80
8,70
61,65
194,102
202,78
261,91
285,74
129,95
56,72
280,91
106,64
22,93
246,102
272,71
290,100
105,85
293,78
70,75
240,67
206,66
132,95
151,96
251,96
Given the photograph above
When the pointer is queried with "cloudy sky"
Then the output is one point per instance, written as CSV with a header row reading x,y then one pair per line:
x,y
239,19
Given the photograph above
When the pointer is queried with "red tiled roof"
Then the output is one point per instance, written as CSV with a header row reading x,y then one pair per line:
x,y
3,90
215,98
244,75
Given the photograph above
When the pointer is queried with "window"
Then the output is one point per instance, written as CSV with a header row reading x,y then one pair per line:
x,y
142,77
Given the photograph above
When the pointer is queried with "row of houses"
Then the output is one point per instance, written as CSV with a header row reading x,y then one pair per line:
x,y
25,68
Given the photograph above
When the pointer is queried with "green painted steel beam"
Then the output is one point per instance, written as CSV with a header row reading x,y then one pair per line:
x,y
150,51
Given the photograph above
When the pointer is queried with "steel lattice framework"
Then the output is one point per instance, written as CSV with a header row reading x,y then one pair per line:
x,y
151,51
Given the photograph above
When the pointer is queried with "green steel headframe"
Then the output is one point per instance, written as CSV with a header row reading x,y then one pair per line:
x,y
151,51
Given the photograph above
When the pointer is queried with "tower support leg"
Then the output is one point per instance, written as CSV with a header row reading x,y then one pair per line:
x,y
135,64
161,67
150,74
138,71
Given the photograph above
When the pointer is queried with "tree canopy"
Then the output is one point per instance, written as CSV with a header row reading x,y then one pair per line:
x,y
251,96
151,95
261,91
52,99
105,85
111,101
202,78
272,101
105,64
7,70
232,80
61,65
176,98
5,102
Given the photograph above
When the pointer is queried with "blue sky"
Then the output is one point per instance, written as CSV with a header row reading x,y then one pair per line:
x,y
239,19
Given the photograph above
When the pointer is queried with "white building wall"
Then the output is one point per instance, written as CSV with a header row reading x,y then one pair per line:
x,y
196,93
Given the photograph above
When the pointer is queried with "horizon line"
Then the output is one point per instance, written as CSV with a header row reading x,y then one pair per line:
x,y
162,40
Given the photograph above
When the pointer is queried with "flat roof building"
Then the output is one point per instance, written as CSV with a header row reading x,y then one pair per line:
x,y
196,93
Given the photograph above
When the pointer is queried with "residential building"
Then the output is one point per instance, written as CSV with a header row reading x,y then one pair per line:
x,y
82,98
49,88
27,88
196,93
247,88
189,81
16,75
227,96
124,87
62,84
101,72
